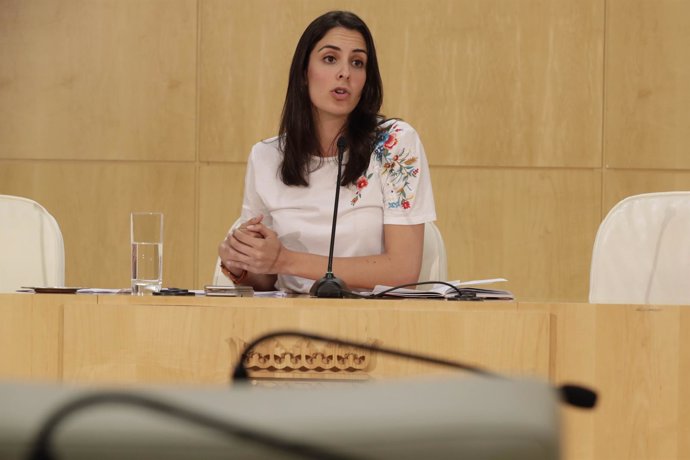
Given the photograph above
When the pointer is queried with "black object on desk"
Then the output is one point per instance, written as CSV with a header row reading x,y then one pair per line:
x,y
173,291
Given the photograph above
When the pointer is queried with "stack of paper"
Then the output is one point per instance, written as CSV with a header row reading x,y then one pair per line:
x,y
457,289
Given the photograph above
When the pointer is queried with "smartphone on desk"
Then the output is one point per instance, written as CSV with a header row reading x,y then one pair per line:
x,y
228,291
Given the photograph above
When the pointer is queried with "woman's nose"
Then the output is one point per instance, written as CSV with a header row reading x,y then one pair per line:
x,y
344,73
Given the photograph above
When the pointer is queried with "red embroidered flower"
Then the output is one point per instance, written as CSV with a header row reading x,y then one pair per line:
x,y
390,142
362,182
405,204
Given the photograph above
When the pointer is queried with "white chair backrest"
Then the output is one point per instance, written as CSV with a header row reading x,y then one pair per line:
x,y
31,243
434,262
642,251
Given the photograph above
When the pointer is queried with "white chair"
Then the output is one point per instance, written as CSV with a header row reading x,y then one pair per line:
x,y
31,243
642,251
434,261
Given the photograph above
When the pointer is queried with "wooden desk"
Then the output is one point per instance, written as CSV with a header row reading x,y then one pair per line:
x,y
637,357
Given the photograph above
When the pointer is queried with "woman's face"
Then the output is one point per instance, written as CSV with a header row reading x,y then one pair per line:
x,y
336,73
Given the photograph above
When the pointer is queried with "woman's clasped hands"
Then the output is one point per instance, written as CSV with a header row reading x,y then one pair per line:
x,y
253,247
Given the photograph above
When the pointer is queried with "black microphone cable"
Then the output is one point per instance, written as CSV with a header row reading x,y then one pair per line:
x,y
575,395
460,294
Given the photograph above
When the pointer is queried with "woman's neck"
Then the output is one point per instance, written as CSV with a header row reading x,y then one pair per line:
x,y
328,132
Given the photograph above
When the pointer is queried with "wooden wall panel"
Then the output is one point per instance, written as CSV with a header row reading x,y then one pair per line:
x,y
515,90
534,227
619,184
245,54
647,84
98,80
92,203
221,188
500,83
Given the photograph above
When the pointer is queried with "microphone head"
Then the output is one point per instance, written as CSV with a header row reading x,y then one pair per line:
x,y
578,396
240,374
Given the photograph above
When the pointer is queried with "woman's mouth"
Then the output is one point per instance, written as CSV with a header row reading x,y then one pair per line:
x,y
340,94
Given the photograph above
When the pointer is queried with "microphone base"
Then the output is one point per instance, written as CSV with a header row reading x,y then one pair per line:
x,y
329,287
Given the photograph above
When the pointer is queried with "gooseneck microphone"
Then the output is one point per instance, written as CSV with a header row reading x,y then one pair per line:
x,y
330,286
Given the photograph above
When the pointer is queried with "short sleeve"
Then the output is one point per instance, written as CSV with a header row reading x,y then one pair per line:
x,y
401,163
253,204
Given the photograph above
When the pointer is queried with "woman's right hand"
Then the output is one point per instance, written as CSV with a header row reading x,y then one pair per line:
x,y
225,249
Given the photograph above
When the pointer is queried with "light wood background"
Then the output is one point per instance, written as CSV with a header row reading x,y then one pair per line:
x,y
537,117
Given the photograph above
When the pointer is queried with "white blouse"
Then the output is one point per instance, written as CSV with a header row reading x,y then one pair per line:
x,y
395,189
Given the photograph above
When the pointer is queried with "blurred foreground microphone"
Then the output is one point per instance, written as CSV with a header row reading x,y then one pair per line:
x,y
329,286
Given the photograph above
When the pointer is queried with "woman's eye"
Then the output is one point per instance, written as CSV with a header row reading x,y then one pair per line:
x,y
329,59
358,63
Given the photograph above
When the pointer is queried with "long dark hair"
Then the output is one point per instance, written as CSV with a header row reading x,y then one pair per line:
x,y
298,140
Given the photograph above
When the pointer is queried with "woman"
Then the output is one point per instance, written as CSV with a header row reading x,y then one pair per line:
x,y
334,91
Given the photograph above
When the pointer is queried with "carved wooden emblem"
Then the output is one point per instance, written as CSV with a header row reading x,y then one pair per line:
x,y
292,357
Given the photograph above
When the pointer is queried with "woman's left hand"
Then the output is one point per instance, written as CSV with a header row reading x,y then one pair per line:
x,y
257,255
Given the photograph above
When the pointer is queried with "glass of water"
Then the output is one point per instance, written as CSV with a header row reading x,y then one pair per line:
x,y
147,252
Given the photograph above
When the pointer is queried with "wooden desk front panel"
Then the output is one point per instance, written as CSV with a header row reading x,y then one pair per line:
x,y
643,372
31,336
637,357
198,341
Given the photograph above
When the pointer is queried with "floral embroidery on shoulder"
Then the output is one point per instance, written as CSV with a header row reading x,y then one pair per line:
x,y
397,166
